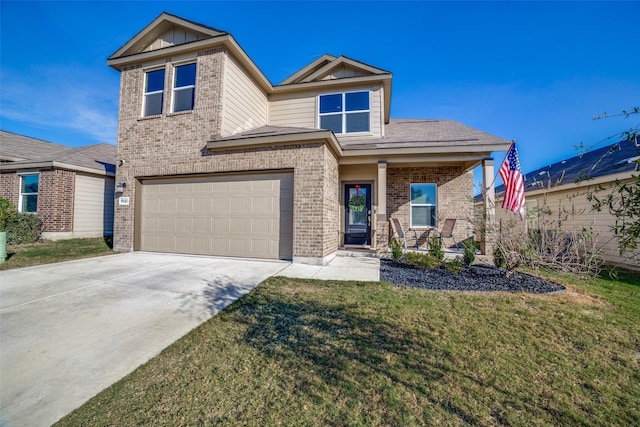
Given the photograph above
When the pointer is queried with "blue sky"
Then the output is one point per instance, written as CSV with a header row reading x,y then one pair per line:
x,y
535,72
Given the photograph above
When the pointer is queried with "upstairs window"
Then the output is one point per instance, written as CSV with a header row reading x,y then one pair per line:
x,y
184,87
153,93
29,193
344,112
423,205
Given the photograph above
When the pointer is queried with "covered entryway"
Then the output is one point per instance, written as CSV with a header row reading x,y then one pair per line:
x,y
249,215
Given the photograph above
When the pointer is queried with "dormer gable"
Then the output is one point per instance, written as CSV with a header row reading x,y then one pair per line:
x,y
339,72
166,31
329,67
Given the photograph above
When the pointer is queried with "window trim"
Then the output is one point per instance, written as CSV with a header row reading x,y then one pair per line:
x,y
155,92
21,194
434,204
343,114
175,89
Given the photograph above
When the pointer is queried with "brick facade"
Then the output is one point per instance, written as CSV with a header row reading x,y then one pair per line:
x,y
56,189
454,199
175,145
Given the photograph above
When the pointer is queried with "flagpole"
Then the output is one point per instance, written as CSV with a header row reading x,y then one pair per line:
x,y
513,141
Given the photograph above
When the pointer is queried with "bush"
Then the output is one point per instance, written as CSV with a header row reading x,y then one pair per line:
x,y
7,211
435,247
23,228
469,251
498,257
396,248
454,266
422,260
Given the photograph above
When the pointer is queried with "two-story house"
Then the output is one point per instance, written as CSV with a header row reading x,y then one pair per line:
x,y
214,159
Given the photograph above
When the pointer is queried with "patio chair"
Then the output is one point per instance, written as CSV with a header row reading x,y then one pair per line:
x,y
447,231
398,231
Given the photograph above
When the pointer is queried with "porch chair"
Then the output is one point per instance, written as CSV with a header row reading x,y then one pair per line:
x,y
447,231
399,232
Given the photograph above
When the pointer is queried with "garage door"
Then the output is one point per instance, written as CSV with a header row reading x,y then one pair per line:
x,y
244,216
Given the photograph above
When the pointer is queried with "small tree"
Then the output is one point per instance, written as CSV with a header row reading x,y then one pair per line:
x,y
622,199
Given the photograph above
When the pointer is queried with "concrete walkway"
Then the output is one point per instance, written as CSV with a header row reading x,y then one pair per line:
x,y
69,330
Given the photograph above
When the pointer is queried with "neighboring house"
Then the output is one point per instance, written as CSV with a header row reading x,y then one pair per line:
x,y
214,159
71,189
562,189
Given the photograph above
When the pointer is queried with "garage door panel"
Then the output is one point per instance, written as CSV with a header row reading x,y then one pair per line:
x,y
249,216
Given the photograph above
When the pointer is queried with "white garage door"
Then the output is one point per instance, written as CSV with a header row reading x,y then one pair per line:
x,y
245,216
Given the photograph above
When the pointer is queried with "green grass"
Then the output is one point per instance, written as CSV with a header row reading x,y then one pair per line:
x,y
304,352
47,252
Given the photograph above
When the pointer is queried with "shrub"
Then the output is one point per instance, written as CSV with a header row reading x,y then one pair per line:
x,y
454,266
23,228
396,248
469,251
421,260
498,257
7,211
435,248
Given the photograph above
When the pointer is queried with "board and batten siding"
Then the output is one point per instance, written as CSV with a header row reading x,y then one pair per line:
x,y
300,110
244,104
571,205
93,210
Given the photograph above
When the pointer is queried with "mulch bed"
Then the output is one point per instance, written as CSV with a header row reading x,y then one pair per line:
x,y
477,277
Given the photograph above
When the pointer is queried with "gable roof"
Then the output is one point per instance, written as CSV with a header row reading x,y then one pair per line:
x,y
163,30
332,70
613,159
22,152
321,69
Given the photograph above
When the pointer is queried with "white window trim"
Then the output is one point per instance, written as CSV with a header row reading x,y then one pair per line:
x,y
175,89
344,112
21,194
145,94
411,205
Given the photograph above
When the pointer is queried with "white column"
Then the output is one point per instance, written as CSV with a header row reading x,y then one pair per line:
x,y
489,200
382,187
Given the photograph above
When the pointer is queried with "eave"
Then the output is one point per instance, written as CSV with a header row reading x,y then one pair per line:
x,y
53,164
324,136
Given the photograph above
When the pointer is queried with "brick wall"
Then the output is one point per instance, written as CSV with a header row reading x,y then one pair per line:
x,y
56,189
175,144
455,198
10,187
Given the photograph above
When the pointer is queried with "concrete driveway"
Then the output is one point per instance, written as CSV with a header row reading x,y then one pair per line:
x,y
69,330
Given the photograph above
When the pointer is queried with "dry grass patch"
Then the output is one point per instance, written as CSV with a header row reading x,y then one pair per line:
x,y
304,352
48,251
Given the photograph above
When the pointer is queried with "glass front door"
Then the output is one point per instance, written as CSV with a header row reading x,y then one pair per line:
x,y
357,217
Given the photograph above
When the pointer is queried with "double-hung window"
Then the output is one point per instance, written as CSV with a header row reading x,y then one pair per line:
x,y
153,93
344,112
423,205
29,193
184,87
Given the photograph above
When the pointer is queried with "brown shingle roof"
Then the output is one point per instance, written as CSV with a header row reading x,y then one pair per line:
x,y
30,151
415,133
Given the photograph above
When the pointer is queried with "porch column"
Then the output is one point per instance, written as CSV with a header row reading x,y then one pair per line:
x,y
382,226
382,187
489,206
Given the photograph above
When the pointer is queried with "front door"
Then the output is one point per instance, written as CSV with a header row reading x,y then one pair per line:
x,y
357,216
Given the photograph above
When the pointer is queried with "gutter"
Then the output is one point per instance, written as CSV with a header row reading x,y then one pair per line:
x,y
54,164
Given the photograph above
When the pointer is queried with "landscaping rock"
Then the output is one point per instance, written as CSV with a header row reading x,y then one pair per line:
x,y
478,277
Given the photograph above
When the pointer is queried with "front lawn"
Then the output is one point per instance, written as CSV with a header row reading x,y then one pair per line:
x,y
304,352
47,252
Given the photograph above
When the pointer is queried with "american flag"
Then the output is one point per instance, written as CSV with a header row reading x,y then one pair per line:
x,y
513,184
